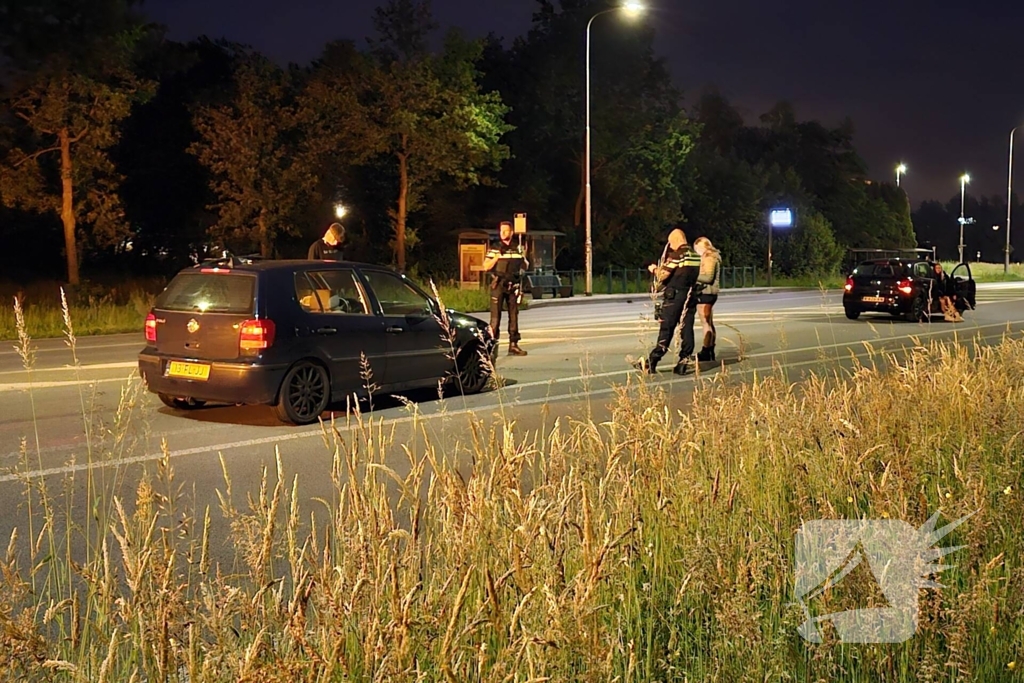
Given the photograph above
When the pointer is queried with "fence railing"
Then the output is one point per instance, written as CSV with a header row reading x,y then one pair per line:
x,y
638,280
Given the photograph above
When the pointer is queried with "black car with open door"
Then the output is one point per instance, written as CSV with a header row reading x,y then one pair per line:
x,y
299,335
904,288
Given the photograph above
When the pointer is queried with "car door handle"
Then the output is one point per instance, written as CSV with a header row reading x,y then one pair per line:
x,y
327,330
395,330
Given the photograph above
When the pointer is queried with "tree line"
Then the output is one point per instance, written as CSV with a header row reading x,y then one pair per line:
x,y
121,150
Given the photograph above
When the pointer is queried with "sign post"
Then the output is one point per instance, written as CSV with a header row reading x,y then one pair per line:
x,y
778,218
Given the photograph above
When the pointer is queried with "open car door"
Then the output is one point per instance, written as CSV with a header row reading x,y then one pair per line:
x,y
965,286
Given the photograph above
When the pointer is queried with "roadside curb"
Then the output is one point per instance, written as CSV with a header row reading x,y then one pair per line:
x,y
645,296
579,300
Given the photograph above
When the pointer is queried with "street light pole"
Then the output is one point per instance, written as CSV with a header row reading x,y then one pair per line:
x,y
1009,200
589,243
900,170
964,179
633,7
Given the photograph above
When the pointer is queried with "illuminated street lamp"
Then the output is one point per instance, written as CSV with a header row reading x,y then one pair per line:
x,y
964,179
901,170
340,211
632,8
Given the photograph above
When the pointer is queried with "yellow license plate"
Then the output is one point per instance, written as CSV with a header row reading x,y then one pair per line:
x,y
188,370
874,299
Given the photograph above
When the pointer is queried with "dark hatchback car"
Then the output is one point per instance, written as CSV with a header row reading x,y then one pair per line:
x,y
903,288
299,335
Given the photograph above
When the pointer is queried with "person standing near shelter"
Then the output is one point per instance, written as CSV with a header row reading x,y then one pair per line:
x,y
329,247
506,263
709,281
678,275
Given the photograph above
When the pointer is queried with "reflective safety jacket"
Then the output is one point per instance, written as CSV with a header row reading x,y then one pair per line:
x,y
684,264
510,257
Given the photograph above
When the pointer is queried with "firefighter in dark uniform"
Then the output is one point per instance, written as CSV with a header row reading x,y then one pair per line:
x,y
678,275
506,263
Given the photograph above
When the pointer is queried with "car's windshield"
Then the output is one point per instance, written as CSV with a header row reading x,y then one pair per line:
x,y
209,293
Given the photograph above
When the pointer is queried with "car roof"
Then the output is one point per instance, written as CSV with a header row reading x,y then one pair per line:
x,y
892,261
285,264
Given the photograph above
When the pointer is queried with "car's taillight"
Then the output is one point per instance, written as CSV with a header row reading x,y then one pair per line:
x,y
905,286
151,328
255,335
849,283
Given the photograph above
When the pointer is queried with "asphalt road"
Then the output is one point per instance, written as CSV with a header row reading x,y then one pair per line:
x,y
96,414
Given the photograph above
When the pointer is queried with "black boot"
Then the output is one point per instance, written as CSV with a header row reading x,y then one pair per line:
x,y
681,367
711,352
705,354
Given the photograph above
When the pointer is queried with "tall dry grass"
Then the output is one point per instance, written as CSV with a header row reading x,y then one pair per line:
x,y
653,546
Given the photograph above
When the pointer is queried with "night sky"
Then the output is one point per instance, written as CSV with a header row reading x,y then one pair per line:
x,y
936,84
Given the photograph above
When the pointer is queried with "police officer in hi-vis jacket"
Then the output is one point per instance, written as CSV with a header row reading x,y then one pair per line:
x,y
678,276
506,263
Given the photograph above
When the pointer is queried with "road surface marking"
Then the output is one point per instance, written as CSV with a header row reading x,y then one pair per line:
x,y
72,368
370,422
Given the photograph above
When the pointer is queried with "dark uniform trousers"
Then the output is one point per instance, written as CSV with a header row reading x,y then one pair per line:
x,y
503,291
678,305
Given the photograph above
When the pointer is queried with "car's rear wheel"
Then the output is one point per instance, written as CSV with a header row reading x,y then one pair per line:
x,y
852,313
473,372
188,403
918,312
305,393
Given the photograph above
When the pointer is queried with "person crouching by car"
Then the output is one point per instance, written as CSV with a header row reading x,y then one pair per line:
x,y
942,287
330,246
709,280
678,277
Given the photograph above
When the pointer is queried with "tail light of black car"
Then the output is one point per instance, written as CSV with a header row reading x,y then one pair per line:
x,y
849,283
151,328
905,286
255,336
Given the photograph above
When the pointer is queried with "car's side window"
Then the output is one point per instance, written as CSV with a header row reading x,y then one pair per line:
x,y
334,292
921,270
306,295
396,297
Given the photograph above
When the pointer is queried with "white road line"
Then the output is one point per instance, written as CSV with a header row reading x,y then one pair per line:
x,y
81,348
26,386
370,422
71,368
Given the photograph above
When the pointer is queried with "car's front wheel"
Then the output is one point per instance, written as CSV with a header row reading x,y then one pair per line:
x,y
852,313
181,403
473,372
305,393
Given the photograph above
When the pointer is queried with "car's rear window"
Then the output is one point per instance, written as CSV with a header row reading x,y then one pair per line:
x,y
880,269
209,293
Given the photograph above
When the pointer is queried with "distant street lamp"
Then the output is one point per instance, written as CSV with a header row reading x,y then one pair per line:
x,y
964,179
340,211
901,170
1009,200
631,8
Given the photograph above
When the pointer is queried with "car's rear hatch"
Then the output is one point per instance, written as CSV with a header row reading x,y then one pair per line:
x,y
877,282
200,314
